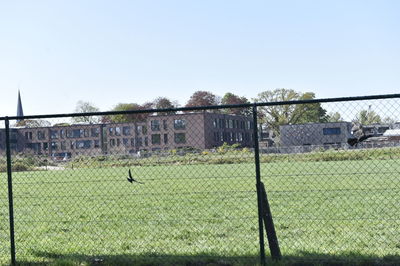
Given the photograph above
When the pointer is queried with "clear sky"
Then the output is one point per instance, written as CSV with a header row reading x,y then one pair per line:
x,y
108,52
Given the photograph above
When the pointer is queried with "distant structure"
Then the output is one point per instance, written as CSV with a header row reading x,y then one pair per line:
x,y
154,134
20,111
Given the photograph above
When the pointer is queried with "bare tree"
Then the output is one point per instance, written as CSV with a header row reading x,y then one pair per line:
x,y
86,107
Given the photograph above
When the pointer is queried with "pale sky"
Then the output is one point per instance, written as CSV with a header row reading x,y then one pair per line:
x,y
108,52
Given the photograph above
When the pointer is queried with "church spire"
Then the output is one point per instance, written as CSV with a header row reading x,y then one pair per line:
x,y
20,111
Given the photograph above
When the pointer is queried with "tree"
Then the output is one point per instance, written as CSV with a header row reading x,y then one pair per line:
x,y
388,120
230,98
367,117
33,123
86,107
164,103
277,115
334,117
122,118
309,113
202,98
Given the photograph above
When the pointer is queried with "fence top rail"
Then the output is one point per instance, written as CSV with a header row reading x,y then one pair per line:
x,y
202,108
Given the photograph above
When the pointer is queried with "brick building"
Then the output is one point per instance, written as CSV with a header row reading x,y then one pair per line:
x,y
157,133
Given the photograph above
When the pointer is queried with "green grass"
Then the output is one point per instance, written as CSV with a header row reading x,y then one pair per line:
x,y
205,214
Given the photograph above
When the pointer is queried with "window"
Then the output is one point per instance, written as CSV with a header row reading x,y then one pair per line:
x,y
62,133
144,130
74,133
138,130
34,146
248,125
146,141
83,144
179,124
331,131
118,131
156,139
41,135
216,136
133,142
215,123
180,138
240,136
45,146
95,132
125,142
118,142
54,146
112,142
86,132
155,125
230,123
247,137
225,136
63,145
126,131
97,143
165,125
221,123
28,135
139,142
165,138
111,131
53,134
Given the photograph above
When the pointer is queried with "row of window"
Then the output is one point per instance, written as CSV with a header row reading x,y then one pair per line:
x,y
63,145
64,133
232,123
179,124
232,137
179,138
155,139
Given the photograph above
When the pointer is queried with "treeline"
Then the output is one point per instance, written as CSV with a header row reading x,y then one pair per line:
x,y
272,116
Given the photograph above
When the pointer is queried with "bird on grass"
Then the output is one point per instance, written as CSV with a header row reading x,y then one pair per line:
x,y
131,179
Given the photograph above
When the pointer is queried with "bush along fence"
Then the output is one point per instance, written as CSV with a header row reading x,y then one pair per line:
x,y
312,182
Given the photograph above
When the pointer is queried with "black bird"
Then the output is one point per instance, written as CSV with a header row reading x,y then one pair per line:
x,y
130,179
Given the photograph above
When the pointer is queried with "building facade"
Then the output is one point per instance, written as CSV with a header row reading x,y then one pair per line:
x,y
316,134
156,133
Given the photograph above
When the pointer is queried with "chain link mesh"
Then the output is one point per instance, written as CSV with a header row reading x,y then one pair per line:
x,y
157,188
4,221
180,187
334,185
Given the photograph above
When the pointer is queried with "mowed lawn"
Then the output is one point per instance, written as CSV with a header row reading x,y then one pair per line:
x,y
342,210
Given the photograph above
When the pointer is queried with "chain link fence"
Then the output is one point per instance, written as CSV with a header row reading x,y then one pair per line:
x,y
4,221
183,186
334,185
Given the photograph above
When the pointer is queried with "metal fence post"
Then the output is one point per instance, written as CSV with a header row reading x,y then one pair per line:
x,y
258,185
10,193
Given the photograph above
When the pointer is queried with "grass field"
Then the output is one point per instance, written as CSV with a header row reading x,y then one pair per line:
x,y
324,212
